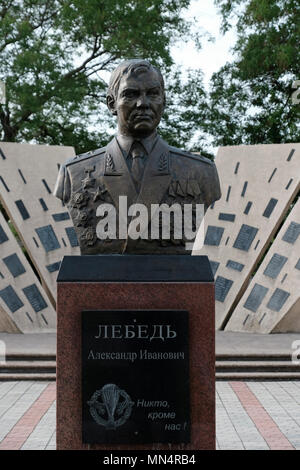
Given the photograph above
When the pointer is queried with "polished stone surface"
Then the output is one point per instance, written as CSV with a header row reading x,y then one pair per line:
x,y
195,297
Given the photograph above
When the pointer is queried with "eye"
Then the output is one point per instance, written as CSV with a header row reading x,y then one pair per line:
x,y
154,92
130,93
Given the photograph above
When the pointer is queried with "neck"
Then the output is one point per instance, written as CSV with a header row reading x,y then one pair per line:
x,y
136,135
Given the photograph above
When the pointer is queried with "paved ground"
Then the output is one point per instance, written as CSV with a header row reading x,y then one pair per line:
x,y
250,415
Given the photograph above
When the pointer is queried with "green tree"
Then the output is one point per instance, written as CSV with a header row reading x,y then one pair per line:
x,y
53,54
250,99
186,110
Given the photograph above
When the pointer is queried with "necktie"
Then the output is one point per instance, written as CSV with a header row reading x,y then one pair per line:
x,y
137,167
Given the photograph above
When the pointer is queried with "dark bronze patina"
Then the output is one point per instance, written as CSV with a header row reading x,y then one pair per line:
x,y
137,163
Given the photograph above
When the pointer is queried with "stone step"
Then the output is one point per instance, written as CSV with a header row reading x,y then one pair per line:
x,y
43,367
27,376
32,367
263,366
253,357
257,375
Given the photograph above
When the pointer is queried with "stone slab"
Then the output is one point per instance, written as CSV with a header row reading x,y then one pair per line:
x,y
258,184
24,305
29,173
279,278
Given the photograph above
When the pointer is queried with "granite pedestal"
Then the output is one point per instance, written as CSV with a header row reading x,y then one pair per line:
x,y
172,287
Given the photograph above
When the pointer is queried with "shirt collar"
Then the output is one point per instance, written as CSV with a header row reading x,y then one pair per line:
x,y
126,142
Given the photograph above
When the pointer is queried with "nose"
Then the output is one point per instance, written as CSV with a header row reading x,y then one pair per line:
x,y
142,101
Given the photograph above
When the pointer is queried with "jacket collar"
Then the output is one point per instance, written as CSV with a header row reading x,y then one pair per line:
x,y
126,142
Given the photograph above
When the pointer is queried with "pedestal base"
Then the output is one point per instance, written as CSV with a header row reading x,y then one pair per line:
x,y
194,294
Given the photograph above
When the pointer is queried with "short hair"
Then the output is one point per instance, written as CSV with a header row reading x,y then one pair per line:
x,y
131,67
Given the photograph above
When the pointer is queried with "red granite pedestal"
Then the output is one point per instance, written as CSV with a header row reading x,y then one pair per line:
x,y
197,297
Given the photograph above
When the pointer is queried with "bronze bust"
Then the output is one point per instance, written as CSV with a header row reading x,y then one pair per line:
x,y
136,165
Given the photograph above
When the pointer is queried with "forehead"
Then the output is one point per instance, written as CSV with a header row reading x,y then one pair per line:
x,y
144,80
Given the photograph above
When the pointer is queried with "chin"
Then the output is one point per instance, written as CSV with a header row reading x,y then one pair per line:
x,y
143,128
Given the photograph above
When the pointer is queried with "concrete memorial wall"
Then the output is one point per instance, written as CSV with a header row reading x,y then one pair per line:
x,y
271,302
24,305
27,178
258,184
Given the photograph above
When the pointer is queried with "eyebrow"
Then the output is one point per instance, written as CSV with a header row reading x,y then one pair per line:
x,y
131,88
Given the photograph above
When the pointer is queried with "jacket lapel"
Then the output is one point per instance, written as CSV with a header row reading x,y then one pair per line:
x,y
117,177
157,176
156,180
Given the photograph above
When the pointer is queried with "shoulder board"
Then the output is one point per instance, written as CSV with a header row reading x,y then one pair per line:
x,y
84,156
194,156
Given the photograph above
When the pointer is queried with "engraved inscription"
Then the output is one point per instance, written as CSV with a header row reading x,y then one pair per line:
x,y
277,300
234,265
35,298
214,266
213,235
275,265
222,288
245,237
256,297
10,297
14,265
292,233
48,238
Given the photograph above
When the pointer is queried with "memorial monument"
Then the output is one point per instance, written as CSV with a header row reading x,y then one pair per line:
x,y
136,165
135,333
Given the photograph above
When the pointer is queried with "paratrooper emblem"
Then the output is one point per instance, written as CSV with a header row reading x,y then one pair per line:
x,y
110,407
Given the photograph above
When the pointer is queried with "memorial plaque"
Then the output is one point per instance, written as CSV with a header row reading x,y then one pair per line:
x,y
135,377
227,217
10,297
70,231
48,238
222,288
256,297
234,265
275,265
213,235
14,265
35,298
292,233
277,300
61,216
214,266
53,267
245,237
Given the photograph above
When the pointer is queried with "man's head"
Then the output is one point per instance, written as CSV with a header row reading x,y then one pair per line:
x,y
136,96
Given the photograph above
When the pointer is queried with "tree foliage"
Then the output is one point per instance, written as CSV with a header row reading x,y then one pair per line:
x,y
250,98
53,54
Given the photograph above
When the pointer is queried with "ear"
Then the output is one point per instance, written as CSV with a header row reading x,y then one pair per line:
x,y
110,102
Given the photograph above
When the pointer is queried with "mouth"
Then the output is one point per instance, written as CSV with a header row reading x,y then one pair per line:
x,y
142,117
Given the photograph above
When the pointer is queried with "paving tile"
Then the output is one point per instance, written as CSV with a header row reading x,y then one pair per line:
x,y
239,418
272,408
15,404
43,432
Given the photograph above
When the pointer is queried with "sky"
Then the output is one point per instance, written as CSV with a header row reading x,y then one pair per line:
x,y
212,55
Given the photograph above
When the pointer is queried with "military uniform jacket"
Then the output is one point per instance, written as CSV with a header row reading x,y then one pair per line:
x,y
101,176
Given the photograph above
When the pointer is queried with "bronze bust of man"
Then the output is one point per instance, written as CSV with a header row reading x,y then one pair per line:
x,y
137,168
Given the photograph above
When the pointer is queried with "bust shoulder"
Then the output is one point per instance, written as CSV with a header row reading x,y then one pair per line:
x,y
190,155
85,156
